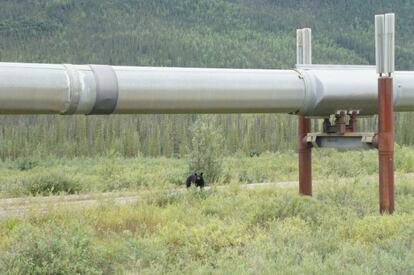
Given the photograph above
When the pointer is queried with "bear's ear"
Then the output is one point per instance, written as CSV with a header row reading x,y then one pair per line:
x,y
201,174
195,174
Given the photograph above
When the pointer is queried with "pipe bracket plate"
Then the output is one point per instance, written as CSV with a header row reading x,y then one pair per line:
x,y
351,141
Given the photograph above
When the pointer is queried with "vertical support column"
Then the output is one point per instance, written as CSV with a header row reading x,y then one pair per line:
x,y
384,29
304,56
305,157
386,144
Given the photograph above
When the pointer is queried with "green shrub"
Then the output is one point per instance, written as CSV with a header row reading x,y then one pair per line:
x,y
206,154
24,164
375,229
404,159
52,250
50,183
147,254
355,196
280,207
230,231
162,198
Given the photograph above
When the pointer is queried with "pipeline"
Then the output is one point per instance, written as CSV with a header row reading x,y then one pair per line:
x,y
310,90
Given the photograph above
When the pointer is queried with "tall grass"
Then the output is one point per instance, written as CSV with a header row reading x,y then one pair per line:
x,y
36,176
235,231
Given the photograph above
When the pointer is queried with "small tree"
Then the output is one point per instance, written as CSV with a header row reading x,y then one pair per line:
x,y
206,153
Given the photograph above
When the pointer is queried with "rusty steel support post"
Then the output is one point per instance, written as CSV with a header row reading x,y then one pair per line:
x,y
386,144
385,57
305,157
304,56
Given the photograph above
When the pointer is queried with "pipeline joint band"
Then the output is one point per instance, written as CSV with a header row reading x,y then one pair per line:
x,y
107,90
75,88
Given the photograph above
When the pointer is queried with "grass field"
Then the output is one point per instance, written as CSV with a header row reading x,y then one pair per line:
x,y
231,231
31,176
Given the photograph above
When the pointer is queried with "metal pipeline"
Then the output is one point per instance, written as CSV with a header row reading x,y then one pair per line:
x,y
311,90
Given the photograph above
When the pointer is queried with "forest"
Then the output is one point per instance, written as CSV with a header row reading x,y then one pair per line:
x,y
190,33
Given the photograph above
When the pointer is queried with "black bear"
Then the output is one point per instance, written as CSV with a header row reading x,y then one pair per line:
x,y
198,180
191,179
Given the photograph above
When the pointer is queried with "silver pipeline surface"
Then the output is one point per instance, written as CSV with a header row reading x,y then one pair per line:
x,y
311,90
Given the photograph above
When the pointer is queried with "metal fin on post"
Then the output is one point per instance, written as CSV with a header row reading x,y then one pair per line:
x,y
385,43
304,46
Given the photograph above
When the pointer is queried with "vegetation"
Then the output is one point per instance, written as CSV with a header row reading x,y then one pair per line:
x,y
231,230
261,231
116,173
215,33
206,151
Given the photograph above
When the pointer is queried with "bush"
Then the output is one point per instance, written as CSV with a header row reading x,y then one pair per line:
x,y
375,229
206,154
404,159
24,164
280,207
52,250
50,183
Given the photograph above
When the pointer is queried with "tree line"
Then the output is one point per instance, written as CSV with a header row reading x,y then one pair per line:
x,y
188,33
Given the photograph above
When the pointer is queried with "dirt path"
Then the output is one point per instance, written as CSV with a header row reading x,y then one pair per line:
x,y
20,206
